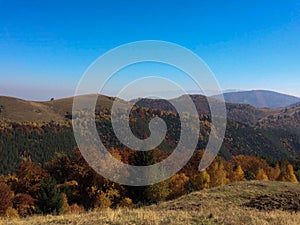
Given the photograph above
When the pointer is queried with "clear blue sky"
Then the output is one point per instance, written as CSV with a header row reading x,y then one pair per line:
x,y
45,46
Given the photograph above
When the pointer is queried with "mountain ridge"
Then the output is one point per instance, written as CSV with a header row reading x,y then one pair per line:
x,y
261,98
20,110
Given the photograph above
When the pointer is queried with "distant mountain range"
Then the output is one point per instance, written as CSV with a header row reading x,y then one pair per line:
x,y
272,133
261,98
247,107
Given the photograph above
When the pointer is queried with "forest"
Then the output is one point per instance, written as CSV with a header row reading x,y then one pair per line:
x,y
43,171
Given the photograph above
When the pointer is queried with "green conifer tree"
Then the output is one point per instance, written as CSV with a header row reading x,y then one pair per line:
x,y
50,200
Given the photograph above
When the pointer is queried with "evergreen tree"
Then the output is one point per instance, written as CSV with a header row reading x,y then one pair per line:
x,y
151,193
139,193
50,200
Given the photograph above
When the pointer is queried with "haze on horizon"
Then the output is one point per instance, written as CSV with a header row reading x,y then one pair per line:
x,y
45,47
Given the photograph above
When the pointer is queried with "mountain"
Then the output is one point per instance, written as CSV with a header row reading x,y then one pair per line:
x,y
57,110
26,127
243,113
288,118
261,98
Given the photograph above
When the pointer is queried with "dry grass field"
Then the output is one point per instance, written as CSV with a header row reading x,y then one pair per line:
x,y
221,205
20,110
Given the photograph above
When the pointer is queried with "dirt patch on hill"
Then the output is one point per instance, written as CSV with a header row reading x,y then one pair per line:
x,y
287,201
188,207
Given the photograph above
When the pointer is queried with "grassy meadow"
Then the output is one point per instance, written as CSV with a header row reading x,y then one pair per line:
x,y
220,205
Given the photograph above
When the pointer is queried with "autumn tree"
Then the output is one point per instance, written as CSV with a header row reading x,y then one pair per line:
x,y
238,174
178,185
287,173
217,173
5,198
83,186
261,175
61,168
274,172
24,204
201,180
29,176
250,165
157,192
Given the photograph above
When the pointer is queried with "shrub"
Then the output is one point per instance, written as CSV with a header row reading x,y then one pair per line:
x,y
24,204
5,198
11,213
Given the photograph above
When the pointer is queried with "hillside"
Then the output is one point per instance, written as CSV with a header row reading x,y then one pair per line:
x,y
220,205
243,113
288,118
19,110
268,133
261,98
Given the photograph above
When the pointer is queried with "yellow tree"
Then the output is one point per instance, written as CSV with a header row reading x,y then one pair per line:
x,y
261,175
177,185
201,180
217,172
287,174
238,174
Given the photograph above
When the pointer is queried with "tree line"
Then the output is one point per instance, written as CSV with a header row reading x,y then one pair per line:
x,y
67,184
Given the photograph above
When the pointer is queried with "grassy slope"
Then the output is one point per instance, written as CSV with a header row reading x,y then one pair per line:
x,y
21,110
221,205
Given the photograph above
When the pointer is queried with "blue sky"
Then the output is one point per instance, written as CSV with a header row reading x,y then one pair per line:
x,y
45,46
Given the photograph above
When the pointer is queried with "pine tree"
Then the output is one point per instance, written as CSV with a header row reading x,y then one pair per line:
x,y
50,200
151,193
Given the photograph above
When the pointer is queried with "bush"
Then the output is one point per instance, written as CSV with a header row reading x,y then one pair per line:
x,y
5,198
24,204
11,213
76,209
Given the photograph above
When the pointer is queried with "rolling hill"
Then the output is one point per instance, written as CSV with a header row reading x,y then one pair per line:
x,y
263,132
261,98
288,118
56,110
